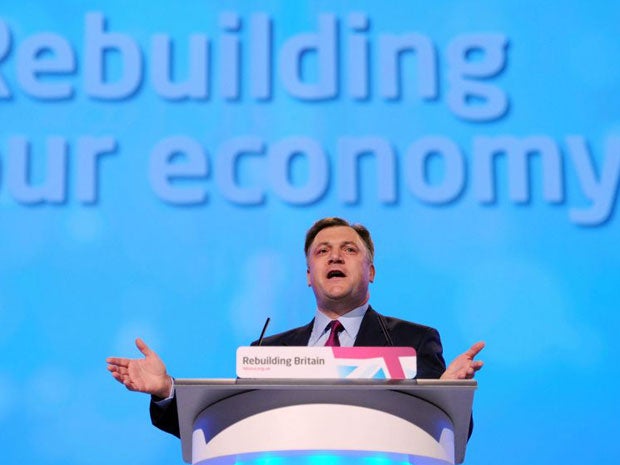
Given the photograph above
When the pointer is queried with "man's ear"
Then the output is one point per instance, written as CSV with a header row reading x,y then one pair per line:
x,y
372,273
308,277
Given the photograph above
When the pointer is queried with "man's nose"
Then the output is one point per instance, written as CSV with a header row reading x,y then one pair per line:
x,y
335,256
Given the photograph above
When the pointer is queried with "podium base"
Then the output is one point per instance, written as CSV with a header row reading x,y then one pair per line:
x,y
230,421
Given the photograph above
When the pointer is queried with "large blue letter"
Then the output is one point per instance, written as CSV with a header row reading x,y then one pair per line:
x,y
163,68
602,191
53,189
416,164
518,152
89,149
98,44
5,46
391,49
280,156
164,169
32,62
471,58
296,49
226,172
350,150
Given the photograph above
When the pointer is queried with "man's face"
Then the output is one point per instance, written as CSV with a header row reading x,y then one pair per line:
x,y
339,269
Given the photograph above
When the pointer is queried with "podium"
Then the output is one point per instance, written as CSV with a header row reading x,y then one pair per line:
x,y
228,421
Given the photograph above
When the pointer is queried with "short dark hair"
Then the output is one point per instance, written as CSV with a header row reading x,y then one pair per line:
x,y
330,222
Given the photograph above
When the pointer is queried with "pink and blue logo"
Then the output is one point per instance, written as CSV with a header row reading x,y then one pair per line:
x,y
375,362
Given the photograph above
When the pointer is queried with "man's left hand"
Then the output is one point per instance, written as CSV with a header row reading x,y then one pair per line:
x,y
464,366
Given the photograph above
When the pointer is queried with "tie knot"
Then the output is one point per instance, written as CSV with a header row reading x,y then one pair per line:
x,y
335,327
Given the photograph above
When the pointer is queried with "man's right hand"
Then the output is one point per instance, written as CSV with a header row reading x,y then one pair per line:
x,y
146,374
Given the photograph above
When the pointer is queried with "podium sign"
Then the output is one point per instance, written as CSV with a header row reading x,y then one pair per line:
x,y
326,362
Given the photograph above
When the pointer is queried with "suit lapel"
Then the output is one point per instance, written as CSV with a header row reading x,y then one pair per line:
x,y
300,336
370,334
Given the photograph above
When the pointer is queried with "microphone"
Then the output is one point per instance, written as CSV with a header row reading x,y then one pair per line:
x,y
384,329
262,334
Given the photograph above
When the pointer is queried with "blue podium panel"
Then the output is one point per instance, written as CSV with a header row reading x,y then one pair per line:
x,y
328,457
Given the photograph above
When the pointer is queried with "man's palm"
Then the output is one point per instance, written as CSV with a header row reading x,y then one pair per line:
x,y
146,374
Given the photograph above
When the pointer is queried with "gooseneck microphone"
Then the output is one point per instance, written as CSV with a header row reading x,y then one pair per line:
x,y
262,334
385,331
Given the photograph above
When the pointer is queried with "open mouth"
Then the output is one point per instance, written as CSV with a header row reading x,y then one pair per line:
x,y
335,274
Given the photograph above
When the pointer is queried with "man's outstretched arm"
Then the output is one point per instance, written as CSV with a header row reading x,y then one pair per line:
x,y
149,375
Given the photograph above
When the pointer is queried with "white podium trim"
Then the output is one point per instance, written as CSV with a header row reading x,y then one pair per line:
x,y
323,427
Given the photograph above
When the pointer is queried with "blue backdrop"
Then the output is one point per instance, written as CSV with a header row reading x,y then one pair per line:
x,y
161,161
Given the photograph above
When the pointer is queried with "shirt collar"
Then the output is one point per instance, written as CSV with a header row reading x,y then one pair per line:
x,y
351,321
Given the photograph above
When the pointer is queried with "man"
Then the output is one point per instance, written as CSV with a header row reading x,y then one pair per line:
x,y
340,267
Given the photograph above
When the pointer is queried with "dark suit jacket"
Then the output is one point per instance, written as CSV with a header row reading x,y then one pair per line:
x,y
423,339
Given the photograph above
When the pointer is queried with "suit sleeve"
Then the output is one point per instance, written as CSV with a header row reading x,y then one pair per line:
x,y
431,364
166,417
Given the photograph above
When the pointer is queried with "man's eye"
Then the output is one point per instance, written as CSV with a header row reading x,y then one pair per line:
x,y
350,250
321,251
